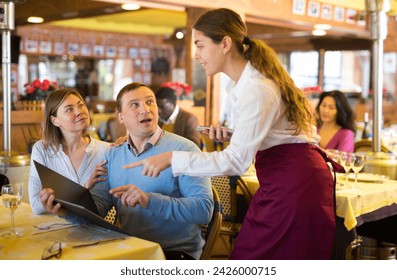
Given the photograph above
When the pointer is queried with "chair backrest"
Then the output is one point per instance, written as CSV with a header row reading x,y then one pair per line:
x,y
114,129
4,180
213,228
366,146
111,217
242,185
226,187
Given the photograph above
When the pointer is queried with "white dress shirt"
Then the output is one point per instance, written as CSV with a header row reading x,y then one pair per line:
x,y
259,124
172,118
60,162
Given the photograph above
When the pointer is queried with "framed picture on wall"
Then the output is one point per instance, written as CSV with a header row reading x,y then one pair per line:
x,y
45,47
339,14
99,50
144,52
313,9
146,65
59,48
299,7
86,50
326,11
351,15
147,79
111,51
138,77
138,64
133,52
13,77
121,52
31,46
73,48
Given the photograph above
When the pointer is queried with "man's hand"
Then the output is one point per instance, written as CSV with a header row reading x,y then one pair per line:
x,y
130,195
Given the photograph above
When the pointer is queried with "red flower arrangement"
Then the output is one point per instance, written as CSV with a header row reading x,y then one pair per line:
x,y
180,88
311,90
38,90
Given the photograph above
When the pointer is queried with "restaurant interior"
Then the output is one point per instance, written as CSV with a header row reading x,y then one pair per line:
x,y
99,46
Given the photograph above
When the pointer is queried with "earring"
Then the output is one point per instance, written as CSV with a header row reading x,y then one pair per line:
x,y
224,52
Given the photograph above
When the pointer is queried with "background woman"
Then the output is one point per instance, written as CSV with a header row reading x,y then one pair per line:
x,y
291,216
65,147
336,122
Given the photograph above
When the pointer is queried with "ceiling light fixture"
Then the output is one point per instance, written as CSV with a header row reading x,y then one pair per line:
x,y
322,26
179,35
130,7
319,32
35,19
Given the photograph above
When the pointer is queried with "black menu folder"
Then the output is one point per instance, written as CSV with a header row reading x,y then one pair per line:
x,y
73,197
90,216
64,188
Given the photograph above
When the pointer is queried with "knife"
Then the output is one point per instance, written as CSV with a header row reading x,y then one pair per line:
x,y
98,242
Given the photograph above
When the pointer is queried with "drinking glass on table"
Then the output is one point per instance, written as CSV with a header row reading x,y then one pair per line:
x,y
357,166
333,154
11,194
346,160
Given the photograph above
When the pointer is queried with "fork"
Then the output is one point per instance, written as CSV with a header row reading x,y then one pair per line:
x,y
42,227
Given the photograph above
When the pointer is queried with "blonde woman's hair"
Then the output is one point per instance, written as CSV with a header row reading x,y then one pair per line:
x,y
218,23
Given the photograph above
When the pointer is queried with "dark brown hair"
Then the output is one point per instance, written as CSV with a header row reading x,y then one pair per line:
x,y
126,89
344,113
218,23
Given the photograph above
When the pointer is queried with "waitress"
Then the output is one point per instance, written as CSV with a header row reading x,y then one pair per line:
x,y
291,216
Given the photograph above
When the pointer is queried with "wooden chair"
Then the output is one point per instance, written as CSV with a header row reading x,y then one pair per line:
x,y
111,217
226,187
212,230
210,233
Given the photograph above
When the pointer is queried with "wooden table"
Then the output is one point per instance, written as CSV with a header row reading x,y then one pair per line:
x,y
34,242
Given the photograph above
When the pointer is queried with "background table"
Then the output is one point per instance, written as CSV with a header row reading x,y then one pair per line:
x,y
356,206
34,241
371,209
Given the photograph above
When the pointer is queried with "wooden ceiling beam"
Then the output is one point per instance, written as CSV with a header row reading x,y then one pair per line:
x,y
62,9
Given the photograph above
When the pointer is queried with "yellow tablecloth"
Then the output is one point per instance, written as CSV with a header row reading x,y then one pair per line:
x,y
351,204
34,241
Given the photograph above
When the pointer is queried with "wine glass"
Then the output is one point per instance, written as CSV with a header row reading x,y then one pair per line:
x,y
357,165
11,194
333,154
346,160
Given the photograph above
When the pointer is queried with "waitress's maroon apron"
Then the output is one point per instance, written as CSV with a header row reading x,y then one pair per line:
x,y
291,216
